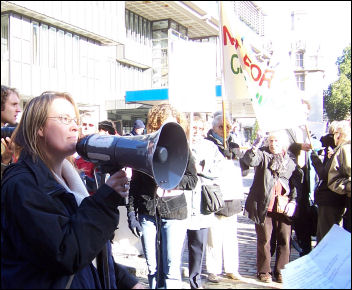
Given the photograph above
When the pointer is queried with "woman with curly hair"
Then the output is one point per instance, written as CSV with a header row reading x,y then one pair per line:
x,y
159,217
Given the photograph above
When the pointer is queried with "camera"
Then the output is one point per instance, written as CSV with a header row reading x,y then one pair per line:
x,y
7,131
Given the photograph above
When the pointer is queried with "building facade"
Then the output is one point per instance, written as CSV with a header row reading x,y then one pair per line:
x,y
99,50
117,58
307,62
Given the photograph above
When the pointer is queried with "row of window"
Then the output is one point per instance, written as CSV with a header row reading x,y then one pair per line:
x,y
39,44
250,15
138,28
45,56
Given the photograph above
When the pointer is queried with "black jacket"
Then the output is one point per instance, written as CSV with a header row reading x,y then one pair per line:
x,y
144,200
260,193
327,141
322,194
46,237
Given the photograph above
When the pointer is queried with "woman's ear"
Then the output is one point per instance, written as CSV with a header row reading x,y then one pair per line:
x,y
41,132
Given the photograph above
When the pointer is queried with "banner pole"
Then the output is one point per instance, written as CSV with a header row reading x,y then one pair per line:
x,y
309,137
222,71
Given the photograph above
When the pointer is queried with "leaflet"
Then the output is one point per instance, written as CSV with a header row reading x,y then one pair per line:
x,y
327,266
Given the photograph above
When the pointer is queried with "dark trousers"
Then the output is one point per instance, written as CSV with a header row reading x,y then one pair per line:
x,y
282,227
303,229
327,217
197,241
347,216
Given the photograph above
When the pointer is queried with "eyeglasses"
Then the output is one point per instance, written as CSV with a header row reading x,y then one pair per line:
x,y
87,125
65,119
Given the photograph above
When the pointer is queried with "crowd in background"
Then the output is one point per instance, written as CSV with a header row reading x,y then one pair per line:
x,y
60,211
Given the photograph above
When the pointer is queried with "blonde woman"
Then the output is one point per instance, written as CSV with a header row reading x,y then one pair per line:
x,y
52,231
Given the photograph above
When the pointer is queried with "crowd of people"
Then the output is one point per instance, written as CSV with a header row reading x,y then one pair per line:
x,y
60,212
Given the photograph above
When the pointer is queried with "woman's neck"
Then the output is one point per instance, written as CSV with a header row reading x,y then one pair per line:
x,y
55,164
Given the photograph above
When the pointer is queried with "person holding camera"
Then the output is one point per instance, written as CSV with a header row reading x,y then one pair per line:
x,y
53,234
10,108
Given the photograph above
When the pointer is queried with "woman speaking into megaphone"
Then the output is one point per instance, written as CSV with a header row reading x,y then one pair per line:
x,y
160,215
51,229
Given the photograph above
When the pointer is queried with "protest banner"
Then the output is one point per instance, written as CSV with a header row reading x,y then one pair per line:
x,y
272,89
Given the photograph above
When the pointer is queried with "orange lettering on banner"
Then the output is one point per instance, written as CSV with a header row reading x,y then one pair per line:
x,y
267,78
257,73
247,61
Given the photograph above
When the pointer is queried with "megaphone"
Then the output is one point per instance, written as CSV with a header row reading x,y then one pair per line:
x,y
163,155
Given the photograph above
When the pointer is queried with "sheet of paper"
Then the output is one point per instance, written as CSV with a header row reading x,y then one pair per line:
x,y
327,266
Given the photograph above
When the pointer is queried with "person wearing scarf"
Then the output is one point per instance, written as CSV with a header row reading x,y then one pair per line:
x,y
273,171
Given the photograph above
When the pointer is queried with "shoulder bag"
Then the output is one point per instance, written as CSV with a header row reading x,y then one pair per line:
x,y
211,198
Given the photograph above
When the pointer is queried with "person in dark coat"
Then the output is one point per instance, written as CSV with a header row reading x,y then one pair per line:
x,y
273,170
53,234
138,128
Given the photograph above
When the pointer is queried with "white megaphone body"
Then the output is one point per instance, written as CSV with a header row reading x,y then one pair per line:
x,y
163,155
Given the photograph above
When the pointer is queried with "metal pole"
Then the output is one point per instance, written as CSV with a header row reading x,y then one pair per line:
x,y
222,71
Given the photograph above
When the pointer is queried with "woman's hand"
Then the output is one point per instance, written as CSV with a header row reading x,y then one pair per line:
x,y
7,150
290,209
119,182
330,152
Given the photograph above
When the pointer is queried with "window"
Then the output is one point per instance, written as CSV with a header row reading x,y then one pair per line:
x,y
160,24
4,37
127,20
35,42
300,80
75,54
299,59
52,47
4,49
44,50
68,52
60,49
137,27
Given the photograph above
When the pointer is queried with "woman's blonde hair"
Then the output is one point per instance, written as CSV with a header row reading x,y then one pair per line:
x,y
33,119
158,114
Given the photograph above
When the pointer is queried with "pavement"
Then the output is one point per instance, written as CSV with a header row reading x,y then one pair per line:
x,y
247,259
